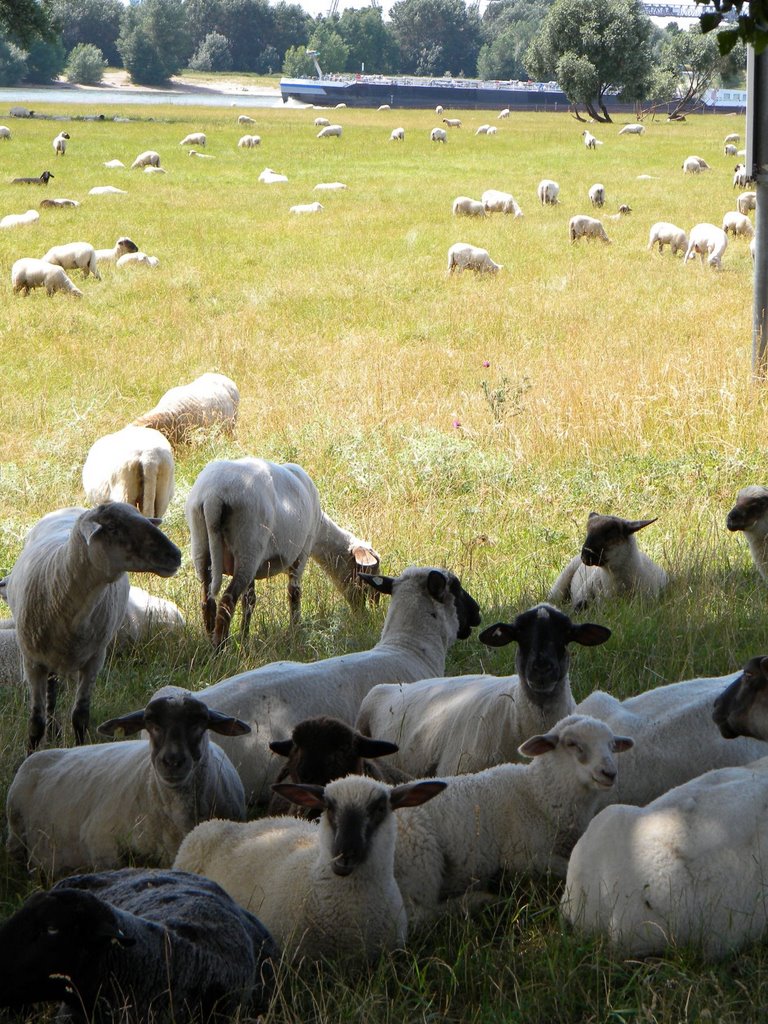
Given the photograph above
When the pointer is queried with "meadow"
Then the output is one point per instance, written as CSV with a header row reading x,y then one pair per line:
x,y
470,422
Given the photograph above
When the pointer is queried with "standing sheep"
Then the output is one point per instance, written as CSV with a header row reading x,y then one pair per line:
x,y
397,135
495,201
707,240
330,131
438,135
597,194
149,158
589,140
74,256
5,133
695,165
582,226
462,256
738,224
746,201
134,465
28,273
663,233
194,139
60,143
632,129
452,122
212,399
249,141
548,192
463,206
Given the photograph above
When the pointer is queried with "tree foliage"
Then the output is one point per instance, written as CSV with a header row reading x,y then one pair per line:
x,y
45,59
213,54
90,21
296,63
13,62
436,36
333,51
508,28
751,25
687,65
369,40
26,20
85,64
153,41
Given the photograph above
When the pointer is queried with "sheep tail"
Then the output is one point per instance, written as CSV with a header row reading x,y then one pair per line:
x,y
147,472
212,512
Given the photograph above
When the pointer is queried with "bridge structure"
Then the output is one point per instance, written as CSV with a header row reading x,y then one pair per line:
x,y
657,10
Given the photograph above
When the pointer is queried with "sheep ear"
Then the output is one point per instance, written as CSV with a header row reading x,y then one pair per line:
x,y
302,794
499,635
437,584
633,525
365,747
88,529
538,745
589,634
154,520
225,725
281,747
411,794
381,584
592,515
365,555
622,743
130,724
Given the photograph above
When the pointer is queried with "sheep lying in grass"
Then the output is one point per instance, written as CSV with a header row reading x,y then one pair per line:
x,y
57,203
750,516
134,465
438,135
149,158
302,208
60,143
28,273
122,246
463,206
270,177
44,178
738,224
19,220
74,256
707,240
663,233
210,400
462,256
113,164
106,190
610,563
582,226
746,201
632,129
495,201
137,259
548,191
137,945
255,519
329,186
146,616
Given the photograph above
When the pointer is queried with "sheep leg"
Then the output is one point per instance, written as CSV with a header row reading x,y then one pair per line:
x,y
52,724
294,590
223,617
208,603
248,604
37,679
81,710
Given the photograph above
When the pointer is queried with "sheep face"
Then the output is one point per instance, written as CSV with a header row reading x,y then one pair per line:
x,y
586,745
120,539
751,505
442,587
606,534
742,708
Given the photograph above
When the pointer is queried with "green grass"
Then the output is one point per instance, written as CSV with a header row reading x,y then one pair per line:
x,y
618,381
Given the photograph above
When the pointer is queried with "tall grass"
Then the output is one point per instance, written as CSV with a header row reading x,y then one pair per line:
x,y
470,422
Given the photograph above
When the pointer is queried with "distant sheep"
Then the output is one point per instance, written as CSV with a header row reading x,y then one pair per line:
x,y
120,248
438,135
60,143
154,170
729,149
202,156
210,400
249,141
740,176
589,140
663,233
746,201
19,220
495,201
397,135
321,122
149,158
134,465
47,204
548,191
622,212
137,259
330,186
452,122
482,129
597,194
44,178
28,273
503,113
632,129
463,206
695,165
707,240
582,226
194,139
245,119
734,222
106,190
74,256
330,131
5,133
439,109
732,137
462,256
114,164
270,177
302,208
750,516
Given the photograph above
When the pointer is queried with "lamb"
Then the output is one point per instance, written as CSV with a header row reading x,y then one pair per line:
x,y
632,129
74,256
106,190
137,259
428,611
749,517
149,158
324,891
57,203
582,226
740,176
738,224
121,247
462,256
60,143
330,131
622,211
597,194
463,206
438,135
321,122
307,208
245,119
249,141
746,201
729,149
495,201
28,273
503,113
194,139
270,177
5,133
44,178
589,140
548,191
19,220
139,945
610,563
134,465
461,724
707,239
210,400
397,135
452,122
663,233
104,805
255,519
68,593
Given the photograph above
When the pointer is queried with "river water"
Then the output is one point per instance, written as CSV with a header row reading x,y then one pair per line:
x,y
96,98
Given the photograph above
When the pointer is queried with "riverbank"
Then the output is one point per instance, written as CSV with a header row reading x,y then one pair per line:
x,y
118,80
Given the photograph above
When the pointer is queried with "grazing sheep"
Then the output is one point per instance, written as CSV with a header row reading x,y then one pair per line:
x,y
324,891
503,113
60,143
330,186
732,137
439,109
134,465
74,256
245,119
249,141
663,233
749,516
483,129
460,724
137,259
19,220
255,519
113,164
270,177
149,158
194,139
729,149
746,201
438,135
397,135
428,612
582,226
695,165
68,593
44,178
452,122
462,256
495,201
548,191
5,132
589,140
740,176
57,203
632,129
120,248
610,563
307,208
137,945
492,130
707,240
463,206
210,400
104,805
330,131
106,190
321,122
738,224
597,194
384,106
28,273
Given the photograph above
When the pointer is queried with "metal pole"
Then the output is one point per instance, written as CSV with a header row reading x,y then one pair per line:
x,y
757,167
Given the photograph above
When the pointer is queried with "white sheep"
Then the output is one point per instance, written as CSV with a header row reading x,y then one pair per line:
x,y
462,256
194,139
154,170
746,201
740,176
582,226
74,256
330,131
57,203
438,135
5,133
210,400
147,616
439,109
428,611
149,158
597,194
548,191
200,156
321,122
738,224
397,135
384,106
245,119
460,724
749,516
137,259
301,208
452,122
249,141
503,113
113,164
134,465
707,240
28,273
323,891
589,140
270,177
732,137
68,592
482,129
695,165
255,519
106,190
330,186
60,143
19,220
496,201
632,129
622,212
663,233
463,206
492,130
120,248
101,805
729,149
610,563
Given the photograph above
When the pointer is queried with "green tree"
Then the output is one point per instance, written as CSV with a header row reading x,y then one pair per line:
x,y
436,36
509,27
90,21
45,59
297,64
13,62
85,64
153,41
26,20
687,64
369,39
331,47
213,54
593,47
291,26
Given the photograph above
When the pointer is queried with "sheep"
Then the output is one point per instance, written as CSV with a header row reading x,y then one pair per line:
x,y
397,135
740,176
492,130
74,256
147,616
68,593
707,239
589,140
321,122
149,158
324,891
428,612
548,191
452,122
582,226
330,131
461,724
102,805
597,194
322,749
663,233
495,201
134,465
106,190
113,164
121,246
249,141
57,203
748,516
245,119
201,156
307,208
462,256
21,112
482,129
5,133
694,165
610,563
622,211
738,224
211,399
384,106
632,129
194,139
270,177
255,519
28,273
19,220
729,149
11,669
143,945
330,186
746,201
739,709
44,178
137,259
503,113
438,135
158,170
60,143
732,137
439,109
463,206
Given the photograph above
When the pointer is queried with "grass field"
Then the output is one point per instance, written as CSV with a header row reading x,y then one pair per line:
x,y
470,422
